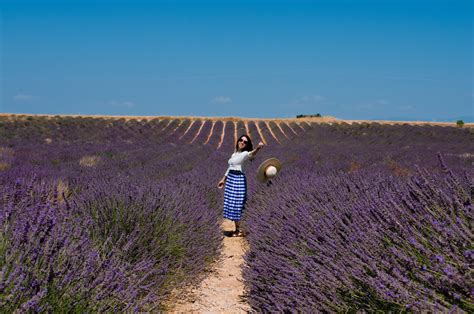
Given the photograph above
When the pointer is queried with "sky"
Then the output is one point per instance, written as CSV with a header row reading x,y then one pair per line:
x,y
359,59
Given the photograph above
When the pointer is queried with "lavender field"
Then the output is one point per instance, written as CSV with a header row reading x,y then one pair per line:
x,y
103,214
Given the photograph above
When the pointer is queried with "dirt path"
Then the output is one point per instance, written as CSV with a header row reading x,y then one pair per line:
x,y
221,292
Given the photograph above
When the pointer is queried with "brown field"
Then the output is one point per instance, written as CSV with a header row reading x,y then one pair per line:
x,y
224,129
323,119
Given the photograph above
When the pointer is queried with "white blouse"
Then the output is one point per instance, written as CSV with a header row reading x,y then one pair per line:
x,y
238,161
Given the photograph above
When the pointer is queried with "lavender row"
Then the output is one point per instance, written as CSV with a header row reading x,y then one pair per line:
x,y
103,227
361,241
142,197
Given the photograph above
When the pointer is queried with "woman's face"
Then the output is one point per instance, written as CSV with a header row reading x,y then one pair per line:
x,y
243,142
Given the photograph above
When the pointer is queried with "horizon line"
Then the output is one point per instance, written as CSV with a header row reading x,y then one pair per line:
x,y
322,119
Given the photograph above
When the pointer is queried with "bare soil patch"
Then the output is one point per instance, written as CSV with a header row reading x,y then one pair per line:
x,y
222,290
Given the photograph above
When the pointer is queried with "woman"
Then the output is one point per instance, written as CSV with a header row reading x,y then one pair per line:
x,y
235,193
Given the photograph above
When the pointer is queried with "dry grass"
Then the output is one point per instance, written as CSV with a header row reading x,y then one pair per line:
x,y
89,161
63,191
4,165
397,169
354,166
5,152
271,132
210,133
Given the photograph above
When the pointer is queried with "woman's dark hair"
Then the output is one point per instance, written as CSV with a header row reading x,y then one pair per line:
x,y
248,147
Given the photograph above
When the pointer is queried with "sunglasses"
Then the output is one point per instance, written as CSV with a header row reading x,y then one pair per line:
x,y
243,141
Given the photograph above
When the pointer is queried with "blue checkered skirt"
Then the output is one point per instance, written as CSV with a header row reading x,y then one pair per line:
x,y
235,195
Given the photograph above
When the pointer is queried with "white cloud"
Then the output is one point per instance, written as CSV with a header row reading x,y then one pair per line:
x,y
23,97
405,108
309,99
126,104
312,98
366,106
221,100
374,105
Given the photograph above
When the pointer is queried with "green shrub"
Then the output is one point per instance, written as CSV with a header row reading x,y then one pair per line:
x,y
318,115
460,123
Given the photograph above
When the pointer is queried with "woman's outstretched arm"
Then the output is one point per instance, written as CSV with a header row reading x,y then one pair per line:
x,y
254,152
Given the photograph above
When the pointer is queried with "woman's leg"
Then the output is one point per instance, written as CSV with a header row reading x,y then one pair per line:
x,y
237,232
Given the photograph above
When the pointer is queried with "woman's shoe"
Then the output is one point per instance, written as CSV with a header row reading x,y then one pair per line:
x,y
238,233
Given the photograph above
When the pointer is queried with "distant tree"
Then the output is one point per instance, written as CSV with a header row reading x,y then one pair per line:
x,y
460,123
318,115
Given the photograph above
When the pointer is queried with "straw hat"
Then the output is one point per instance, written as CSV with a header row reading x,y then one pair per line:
x,y
268,169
